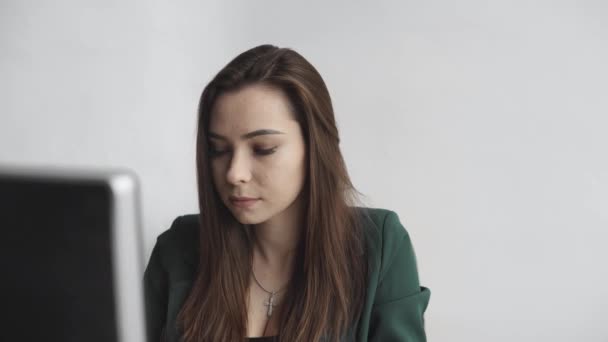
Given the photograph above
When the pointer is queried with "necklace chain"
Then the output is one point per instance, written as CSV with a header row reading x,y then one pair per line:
x,y
256,280
270,303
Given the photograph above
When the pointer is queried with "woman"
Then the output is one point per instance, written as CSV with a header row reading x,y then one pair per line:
x,y
279,249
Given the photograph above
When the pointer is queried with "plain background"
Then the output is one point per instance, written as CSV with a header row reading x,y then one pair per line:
x,y
481,123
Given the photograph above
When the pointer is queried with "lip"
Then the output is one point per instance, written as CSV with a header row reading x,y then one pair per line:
x,y
243,202
243,198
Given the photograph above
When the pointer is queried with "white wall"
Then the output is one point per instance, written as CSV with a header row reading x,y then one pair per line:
x,y
481,123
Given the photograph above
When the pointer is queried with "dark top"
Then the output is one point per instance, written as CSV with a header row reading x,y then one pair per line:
x,y
394,305
263,339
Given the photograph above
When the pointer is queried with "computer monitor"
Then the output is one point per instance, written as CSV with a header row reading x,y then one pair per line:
x,y
70,255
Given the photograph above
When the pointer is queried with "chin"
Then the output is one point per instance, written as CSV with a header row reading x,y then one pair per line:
x,y
246,218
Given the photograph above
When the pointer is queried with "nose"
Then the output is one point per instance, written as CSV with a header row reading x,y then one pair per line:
x,y
238,169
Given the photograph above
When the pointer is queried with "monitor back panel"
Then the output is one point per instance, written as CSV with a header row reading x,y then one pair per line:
x,y
56,259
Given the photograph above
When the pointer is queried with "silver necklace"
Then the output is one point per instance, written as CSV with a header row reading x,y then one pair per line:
x,y
270,303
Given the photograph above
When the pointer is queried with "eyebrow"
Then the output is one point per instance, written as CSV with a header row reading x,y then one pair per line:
x,y
247,135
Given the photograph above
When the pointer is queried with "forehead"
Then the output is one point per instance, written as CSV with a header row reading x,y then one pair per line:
x,y
251,107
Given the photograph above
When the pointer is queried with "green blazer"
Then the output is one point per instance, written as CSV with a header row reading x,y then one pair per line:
x,y
394,305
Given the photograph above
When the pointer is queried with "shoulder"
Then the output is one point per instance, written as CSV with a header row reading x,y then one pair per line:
x,y
383,228
382,225
177,247
390,249
183,229
384,221
395,301
384,233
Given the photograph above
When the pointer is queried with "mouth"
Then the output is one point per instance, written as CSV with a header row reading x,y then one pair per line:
x,y
243,202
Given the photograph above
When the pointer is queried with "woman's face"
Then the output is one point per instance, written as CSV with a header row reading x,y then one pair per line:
x,y
257,151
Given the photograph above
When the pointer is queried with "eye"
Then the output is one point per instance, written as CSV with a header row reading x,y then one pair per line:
x,y
213,152
265,152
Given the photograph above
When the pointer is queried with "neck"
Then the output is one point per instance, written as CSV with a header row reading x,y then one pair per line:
x,y
276,240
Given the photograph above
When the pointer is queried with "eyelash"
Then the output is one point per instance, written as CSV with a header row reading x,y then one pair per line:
x,y
261,152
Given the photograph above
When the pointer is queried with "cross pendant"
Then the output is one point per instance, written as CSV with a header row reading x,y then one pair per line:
x,y
270,304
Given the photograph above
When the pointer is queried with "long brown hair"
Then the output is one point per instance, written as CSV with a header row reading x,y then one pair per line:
x,y
326,293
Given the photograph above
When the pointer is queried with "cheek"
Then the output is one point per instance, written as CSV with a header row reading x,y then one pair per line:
x,y
287,172
216,174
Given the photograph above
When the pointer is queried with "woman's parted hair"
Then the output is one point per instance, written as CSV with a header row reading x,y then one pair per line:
x,y
326,293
